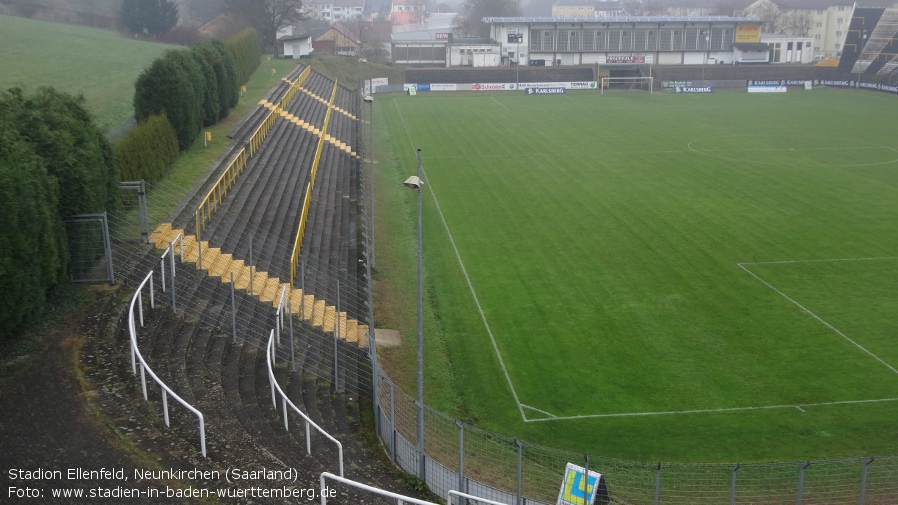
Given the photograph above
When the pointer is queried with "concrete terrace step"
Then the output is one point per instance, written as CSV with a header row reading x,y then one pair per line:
x,y
267,288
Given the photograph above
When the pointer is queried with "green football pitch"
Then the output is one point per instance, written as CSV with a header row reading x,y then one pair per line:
x,y
682,277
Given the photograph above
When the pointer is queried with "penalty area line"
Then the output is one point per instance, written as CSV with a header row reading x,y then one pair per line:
x,y
818,318
800,407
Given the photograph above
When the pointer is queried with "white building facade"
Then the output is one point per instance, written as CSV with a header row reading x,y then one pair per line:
x,y
825,22
640,40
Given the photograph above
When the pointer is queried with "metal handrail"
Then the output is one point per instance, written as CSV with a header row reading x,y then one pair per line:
x,y
297,243
453,492
145,368
401,498
285,401
301,231
220,189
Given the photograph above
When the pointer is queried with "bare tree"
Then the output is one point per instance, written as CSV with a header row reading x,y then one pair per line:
x,y
797,22
770,14
724,8
469,21
268,16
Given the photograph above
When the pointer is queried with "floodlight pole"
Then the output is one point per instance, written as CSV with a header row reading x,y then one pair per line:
x,y
422,475
417,184
705,53
860,50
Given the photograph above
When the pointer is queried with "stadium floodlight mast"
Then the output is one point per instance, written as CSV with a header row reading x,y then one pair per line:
x,y
415,183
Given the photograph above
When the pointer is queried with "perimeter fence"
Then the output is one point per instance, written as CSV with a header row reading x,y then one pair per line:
x,y
498,467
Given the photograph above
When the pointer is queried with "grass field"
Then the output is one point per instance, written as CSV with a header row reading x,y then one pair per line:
x,y
680,277
100,64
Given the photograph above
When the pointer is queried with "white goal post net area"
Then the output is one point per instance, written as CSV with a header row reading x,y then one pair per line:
x,y
627,84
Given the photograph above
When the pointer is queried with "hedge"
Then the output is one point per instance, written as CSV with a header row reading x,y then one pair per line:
x,y
247,53
148,150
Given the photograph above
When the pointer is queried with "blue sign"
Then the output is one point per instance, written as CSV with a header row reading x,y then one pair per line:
x,y
544,91
693,89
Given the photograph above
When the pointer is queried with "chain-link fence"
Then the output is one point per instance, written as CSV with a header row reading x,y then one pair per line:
x,y
497,467
90,251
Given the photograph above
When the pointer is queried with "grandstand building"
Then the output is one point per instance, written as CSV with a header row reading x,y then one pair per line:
x,y
623,40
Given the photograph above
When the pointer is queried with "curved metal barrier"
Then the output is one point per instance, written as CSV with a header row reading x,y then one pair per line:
x,y
137,358
285,402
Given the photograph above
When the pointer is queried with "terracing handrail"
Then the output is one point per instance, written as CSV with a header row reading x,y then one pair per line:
x,y
285,402
295,85
255,141
137,358
215,195
389,494
307,199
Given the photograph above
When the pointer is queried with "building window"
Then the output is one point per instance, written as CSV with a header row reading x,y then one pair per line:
x,y
819,24
838,34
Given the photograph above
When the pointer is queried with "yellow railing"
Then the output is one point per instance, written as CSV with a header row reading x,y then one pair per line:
x,y
256,140
213,199
297,242
300,80
321,141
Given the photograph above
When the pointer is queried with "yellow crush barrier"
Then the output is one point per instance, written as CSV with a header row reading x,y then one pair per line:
x,y
259,135
221,265
297,242
215,195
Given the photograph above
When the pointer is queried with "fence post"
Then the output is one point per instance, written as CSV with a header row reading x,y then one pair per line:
x,y
233,312
586,480
520,447
302,287
336,346
171,256
461,459
801,481
658,483
292,348
107,246
392,423
251,292
733,484
199,243
864,481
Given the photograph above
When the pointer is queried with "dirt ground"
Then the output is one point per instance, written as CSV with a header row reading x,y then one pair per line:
x,y
48,432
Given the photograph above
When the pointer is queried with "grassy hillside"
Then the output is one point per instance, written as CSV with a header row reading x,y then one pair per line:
x,y
100,64
347,70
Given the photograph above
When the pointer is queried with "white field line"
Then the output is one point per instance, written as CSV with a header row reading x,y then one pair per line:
x,y
498,102
815,316
552,417
799,406
465,272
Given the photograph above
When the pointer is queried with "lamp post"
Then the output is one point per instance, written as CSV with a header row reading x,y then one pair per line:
x,y
705,52
415,183
860,50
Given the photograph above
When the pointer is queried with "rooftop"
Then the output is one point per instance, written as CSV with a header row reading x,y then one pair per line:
x,y
625,19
